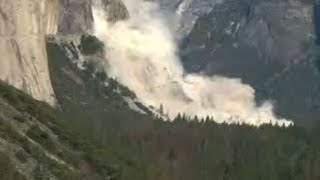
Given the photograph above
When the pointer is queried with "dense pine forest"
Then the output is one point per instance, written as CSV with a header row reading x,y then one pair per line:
x,y
130,146
107,139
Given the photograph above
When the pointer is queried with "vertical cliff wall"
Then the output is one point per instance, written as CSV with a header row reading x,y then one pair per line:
x,y
23,60
24,25
75,16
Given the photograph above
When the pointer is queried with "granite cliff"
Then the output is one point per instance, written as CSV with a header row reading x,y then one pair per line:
x,y
23,26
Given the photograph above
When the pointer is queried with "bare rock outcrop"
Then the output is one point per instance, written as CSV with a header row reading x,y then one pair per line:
x,y
23,62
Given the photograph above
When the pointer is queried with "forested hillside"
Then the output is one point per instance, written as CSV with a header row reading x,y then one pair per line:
x,y
123,144
95,133
100,130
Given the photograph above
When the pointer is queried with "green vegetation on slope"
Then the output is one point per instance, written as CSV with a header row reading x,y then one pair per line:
x,y
95,135
184,148
28,129
90,45
124,144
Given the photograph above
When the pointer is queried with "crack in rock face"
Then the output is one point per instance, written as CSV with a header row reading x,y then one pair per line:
x,y
23,27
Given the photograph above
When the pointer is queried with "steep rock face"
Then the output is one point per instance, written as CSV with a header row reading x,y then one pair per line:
x,y
187,12
115,10
263,42
75,16
23,26
259,32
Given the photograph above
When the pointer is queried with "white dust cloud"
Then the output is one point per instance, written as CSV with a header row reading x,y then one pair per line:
x,y
142,54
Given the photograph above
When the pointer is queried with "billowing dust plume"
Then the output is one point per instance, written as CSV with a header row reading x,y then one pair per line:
x,y
142,54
